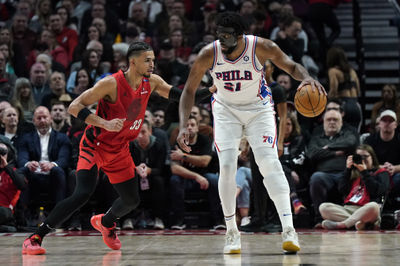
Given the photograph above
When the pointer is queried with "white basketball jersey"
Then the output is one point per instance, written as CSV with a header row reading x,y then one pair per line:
x,y
241,81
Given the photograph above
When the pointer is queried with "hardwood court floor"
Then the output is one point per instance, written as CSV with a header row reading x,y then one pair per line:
x,y
202,247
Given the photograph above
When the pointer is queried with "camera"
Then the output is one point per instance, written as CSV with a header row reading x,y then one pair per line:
x,y
357,159
3,151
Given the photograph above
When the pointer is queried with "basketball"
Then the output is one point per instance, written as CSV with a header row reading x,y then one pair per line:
x,y
309,103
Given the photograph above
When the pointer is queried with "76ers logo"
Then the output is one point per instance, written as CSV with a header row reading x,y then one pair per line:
x,y
268,139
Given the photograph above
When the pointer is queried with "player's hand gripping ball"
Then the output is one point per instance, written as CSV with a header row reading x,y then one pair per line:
x,y
309,103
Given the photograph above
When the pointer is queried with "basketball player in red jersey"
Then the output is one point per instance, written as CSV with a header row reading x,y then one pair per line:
x,y
122,99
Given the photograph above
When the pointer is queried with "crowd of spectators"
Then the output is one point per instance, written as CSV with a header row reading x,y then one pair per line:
x,y
51,51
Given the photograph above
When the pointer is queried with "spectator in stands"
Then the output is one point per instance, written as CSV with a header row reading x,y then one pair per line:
x,y
364,185
57,87
10,121
152,8
344,84
22,35
5,49
139,17
83,82
386,144
49,63
158,117
48,44
7,81
66,19
320,14
106,38
39,82
285,81
179,43
389,101
43,156
11,183
174,72
293,160
23,96
190,174
18,60
149,155
24,7
59,117
99,10
328,152
65,37
42,15
3,106
243,183
119,55
90,62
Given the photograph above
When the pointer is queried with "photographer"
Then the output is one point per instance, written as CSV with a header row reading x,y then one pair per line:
x,y
11,182
364,185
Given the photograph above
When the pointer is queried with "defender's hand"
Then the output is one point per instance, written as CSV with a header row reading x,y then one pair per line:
x,y
183,140
114,125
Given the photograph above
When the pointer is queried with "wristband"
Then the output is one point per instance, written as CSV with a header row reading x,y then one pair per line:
x,y
83,114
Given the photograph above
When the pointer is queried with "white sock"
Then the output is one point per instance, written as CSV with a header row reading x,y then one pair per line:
x,y
230,222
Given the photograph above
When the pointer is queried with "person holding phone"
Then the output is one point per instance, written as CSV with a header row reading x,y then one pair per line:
x,y
364,185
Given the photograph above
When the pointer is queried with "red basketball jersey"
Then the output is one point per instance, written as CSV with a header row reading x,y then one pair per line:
x,y
131,104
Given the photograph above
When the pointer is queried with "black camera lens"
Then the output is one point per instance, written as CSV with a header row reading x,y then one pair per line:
x,y
357,159
3,151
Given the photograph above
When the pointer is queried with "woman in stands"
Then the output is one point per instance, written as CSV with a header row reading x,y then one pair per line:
x,y
364,185
344,84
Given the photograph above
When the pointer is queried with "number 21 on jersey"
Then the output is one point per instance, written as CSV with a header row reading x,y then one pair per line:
x,y
232,87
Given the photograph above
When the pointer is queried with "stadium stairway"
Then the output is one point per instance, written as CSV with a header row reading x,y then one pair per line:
x,y
381,46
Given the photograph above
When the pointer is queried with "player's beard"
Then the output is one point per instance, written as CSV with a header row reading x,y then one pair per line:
x,y
229,50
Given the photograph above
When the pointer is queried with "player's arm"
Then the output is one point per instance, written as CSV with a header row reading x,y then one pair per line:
x,y
267,49
203,62
172,93
105,88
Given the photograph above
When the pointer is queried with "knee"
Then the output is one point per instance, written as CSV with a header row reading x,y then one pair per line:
x,y
82,196
58,173
373,208
324,207
227,170
316,179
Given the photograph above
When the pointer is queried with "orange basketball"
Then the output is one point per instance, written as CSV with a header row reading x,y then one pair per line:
x,y
308,102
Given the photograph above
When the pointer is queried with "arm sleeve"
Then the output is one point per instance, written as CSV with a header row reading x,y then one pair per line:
x,y
17,178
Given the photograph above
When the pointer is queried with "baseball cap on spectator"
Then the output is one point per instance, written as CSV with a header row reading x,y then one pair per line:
x,y
388,113
166,45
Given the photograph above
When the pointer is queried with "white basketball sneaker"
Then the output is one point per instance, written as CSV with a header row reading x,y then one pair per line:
x,y
232,242
290,242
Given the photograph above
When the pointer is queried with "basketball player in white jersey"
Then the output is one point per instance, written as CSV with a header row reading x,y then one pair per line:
x,y
243,106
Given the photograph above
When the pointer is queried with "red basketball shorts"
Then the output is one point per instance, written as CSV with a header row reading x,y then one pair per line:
x,y
118,165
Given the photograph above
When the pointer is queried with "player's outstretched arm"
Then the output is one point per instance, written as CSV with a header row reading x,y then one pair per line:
x,y
104,89
270,50
203,62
